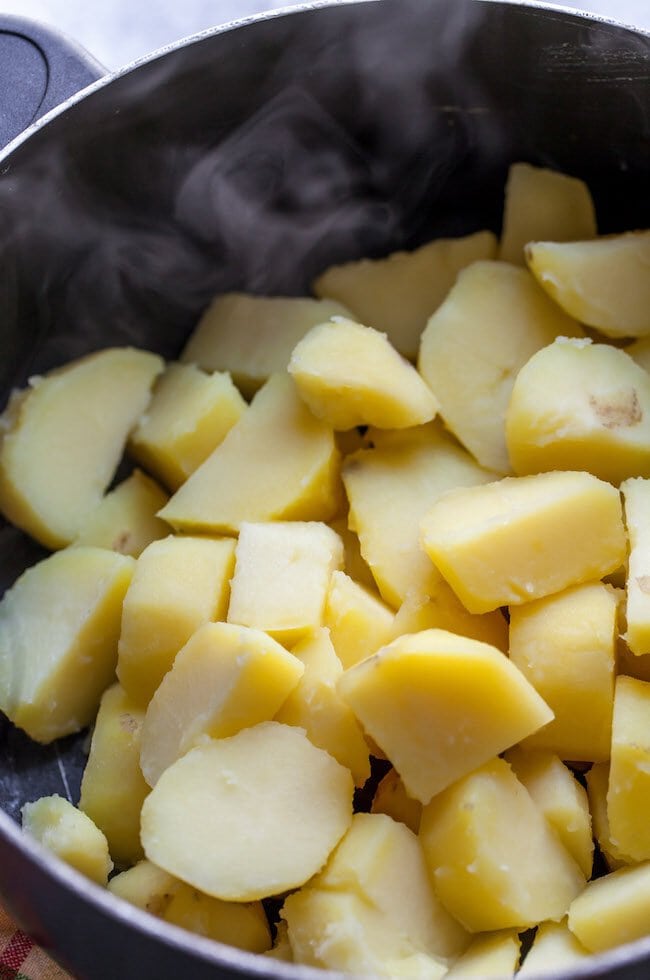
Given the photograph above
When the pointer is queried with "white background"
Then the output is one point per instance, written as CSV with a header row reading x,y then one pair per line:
x,y
118,31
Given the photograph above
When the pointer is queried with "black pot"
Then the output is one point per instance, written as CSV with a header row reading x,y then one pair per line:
x,y
251,157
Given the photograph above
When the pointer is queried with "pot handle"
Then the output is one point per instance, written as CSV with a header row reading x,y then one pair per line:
x,y
39,69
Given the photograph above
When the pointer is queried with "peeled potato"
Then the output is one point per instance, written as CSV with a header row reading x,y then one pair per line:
x,y
249,816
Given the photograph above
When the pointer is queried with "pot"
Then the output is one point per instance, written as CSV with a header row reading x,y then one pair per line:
x,y
250,157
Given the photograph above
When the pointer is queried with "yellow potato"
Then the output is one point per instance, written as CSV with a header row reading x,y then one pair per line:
x,y
70,834
397,294
261,812
125,520
350,375
597,779
628,793
612,910
603,283
62,439
59,627
392,799
555,949
636,498
494,954
358,621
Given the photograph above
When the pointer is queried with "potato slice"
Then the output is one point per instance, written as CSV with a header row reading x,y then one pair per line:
x,y
224,679
543,205
59,626
566,646
350,375
612,910
315,705
494,860
261,813
252,336
382,861
390,490
282,574
189,415
63,437
113,788
240,924
523,538
125,520
494,954
580,406
603,283
555,950
70,834
628,794
494,319
397,294
439,705
179,584
560,797
597,780
636,497
277,463
358,621
440,608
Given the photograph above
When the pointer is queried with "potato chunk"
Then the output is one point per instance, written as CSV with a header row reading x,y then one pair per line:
x,y
113,788
397,294
628,795
555,949
125,520
350,375
189,415
252,336
240,924
390,489
543,205
282,574
59,627
62,438
179,584
440,608
597,780
612,910
70,834
580,406
439,705
494,954
261,813
392,799
358,621
315,705
382,861
636,497
603,283
277,463
494,860
565,645
224,679
522,538
494,319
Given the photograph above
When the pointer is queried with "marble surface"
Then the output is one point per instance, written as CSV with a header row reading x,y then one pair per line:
x,y
118,31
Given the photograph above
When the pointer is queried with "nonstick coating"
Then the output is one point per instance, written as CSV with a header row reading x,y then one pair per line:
x,y
250,158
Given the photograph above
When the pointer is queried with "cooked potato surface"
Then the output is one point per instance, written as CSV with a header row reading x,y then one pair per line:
x,y
392,623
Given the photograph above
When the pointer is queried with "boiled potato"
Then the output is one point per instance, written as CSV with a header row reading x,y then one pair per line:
x,y
523,538
628,793
494,860
543,205
494,954
603,283
261,811
70,834
62,439
125,519
636,498
277,463
224,679
612,910
493,320
189,415
392,799
398,293
597,780
179,584
580,406
358,621
350,375
59,628
554,948
440,705
440,608
282,575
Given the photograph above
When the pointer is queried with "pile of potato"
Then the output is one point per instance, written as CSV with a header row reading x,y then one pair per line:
x,y
443,567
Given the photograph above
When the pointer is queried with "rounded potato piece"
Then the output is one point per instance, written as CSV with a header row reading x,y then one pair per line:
x,y
580,406
603,282
70,834
62,438
249,816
